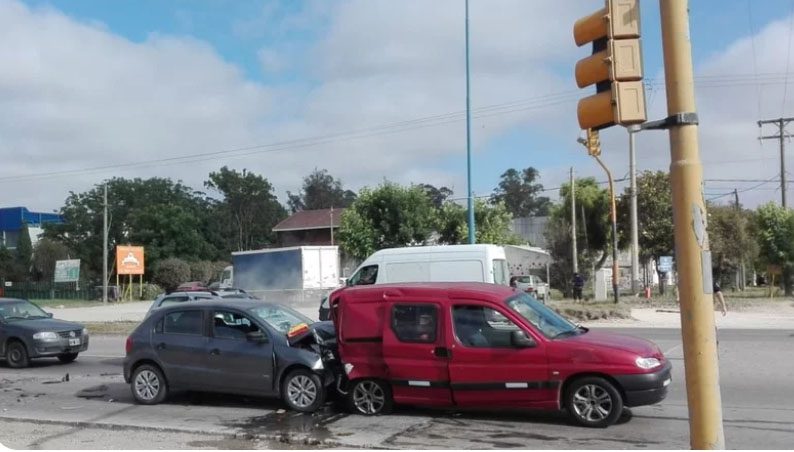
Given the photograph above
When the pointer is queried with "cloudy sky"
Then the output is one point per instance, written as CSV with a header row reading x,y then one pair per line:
x,y
368,89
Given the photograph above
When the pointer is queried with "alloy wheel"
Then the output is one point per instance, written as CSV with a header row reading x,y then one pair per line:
x,y
592,403
302,391
369,397
147,385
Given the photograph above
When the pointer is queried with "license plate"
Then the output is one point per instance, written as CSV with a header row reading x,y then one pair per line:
x,y
73,342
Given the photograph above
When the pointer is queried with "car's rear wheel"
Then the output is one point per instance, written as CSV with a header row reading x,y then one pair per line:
x,y
148,385
303,391
66,358
593,402
17,354
370,397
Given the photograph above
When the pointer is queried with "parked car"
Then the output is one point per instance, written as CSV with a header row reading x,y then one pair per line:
x,y
234,294
531,284
232,346
193,286
28,332
483,345
163,300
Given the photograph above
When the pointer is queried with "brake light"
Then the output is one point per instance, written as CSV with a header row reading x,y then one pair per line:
x,y
128,345
297,329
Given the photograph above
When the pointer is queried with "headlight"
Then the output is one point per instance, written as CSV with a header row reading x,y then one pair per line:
x,y
45,336
85,331
647,363
318,365
348,368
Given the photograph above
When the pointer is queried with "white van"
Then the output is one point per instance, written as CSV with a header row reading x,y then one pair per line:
x,y
443,263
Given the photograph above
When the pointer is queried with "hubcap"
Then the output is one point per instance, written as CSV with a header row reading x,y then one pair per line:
x,y
147,385
15,355
592,403
369,397
301,391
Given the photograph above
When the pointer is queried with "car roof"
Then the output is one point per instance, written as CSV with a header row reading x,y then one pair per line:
x,y
452,289
189,293
238,303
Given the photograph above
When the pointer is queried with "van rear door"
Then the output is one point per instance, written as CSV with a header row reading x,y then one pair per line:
x,y
415,353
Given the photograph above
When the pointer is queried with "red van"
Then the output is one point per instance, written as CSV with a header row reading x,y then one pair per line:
x,y
484,345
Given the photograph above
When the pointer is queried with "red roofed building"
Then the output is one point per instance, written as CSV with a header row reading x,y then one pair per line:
x,y
309,227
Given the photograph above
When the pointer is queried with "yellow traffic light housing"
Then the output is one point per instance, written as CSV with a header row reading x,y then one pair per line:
x,y
593,143
615,66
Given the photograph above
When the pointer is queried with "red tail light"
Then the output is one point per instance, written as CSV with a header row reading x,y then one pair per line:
x,y
128,345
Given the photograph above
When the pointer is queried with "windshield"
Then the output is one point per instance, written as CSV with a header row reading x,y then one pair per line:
x,y
548,322
281,318
21,310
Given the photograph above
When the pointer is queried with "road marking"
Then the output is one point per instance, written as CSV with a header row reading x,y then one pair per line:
x,y
101,356
671,350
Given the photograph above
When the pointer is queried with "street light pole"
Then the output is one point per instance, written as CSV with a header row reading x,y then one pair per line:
x,y
614,216
468,136
635,247
105,246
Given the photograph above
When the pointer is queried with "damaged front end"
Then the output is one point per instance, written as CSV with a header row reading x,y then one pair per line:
x,y
320,338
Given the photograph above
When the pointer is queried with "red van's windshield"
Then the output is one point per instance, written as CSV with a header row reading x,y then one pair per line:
x,y
548,322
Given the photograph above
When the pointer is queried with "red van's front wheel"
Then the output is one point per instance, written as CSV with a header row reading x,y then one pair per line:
x,y
370,397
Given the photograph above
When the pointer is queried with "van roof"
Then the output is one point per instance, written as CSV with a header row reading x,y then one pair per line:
x,y
453,289
435,249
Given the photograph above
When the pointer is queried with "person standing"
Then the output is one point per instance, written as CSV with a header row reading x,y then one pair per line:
x,y
719,298
578,285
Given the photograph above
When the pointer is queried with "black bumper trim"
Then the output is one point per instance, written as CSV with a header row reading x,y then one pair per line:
x,y
645,389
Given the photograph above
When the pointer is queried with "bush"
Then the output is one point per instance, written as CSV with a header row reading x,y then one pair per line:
x,y
151,291
202,271
217,269
170,273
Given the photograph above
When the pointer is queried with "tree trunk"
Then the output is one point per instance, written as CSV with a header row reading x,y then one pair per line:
x,y
787,288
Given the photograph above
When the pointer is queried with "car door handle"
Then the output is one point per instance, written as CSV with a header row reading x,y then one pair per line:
x,y
215,351
442,352
161,346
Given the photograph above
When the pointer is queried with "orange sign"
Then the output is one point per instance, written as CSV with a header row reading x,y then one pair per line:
x,y
129,260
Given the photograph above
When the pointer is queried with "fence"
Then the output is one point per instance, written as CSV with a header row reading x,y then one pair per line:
x,y
49,291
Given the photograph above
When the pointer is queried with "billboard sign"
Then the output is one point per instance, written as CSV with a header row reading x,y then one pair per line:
x,y
67,271
129,260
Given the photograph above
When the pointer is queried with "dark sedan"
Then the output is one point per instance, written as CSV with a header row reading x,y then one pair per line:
x,y
231,346
27,332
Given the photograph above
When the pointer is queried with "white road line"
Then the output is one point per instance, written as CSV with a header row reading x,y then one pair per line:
x,y
669,351
101,356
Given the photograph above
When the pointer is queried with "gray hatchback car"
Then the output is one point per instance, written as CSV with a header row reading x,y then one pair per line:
x,y
244,347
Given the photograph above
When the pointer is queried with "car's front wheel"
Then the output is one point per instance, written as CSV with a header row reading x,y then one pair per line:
x,y
593,402
148,385
303,391
66,358
370,397
17,354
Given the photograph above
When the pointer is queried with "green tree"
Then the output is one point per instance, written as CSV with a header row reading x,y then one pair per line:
x,y
654,216
45,254
320,191
775,235
248,210
6,264
386,217
202,271
167,218
520,193
491,224
24,254
170,273
437,195
731,240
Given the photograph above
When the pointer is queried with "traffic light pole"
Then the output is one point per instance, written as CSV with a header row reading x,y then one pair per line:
x,y
691,238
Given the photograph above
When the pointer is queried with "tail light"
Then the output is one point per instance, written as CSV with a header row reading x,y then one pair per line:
x,y
128,345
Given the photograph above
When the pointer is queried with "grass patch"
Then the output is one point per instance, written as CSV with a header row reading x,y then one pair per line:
x,y
590,311
110,328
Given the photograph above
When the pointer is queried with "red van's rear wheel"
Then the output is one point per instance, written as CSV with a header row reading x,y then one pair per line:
x,y
370,397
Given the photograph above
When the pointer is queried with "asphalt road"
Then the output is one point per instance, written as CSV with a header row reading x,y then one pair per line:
x,y
93,409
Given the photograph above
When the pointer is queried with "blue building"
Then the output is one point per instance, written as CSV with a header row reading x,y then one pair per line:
x,y
12,219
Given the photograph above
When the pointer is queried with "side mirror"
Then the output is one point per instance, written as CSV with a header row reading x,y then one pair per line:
x,y
49,314
519,339
256,336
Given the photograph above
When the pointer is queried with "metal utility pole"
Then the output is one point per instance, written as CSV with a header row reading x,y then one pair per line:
x,y
472,236
105,246
781,124
614,217
691,237
635,245
332,225
575,256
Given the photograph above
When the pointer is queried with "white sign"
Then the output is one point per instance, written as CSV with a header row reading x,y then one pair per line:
x,y
67,271
665,263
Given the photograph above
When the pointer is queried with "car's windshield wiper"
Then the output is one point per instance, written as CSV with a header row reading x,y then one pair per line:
x,y
15,317
38,317
564,333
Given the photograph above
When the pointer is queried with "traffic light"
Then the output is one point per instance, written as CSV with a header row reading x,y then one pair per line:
x,y
615,66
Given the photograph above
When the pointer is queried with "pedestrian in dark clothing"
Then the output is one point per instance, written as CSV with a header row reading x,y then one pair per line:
x,y
578,284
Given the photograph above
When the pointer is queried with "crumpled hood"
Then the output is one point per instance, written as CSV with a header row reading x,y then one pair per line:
x,y
632,344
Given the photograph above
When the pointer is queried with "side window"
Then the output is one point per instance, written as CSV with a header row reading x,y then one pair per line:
x,y
366,276
158,327
415,323
500,272
478,326
184,322
231,325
